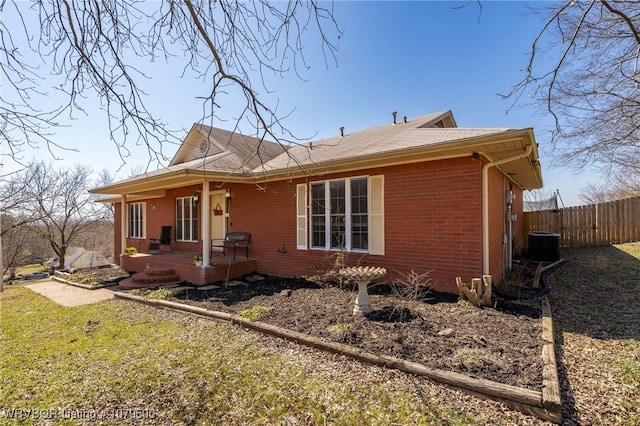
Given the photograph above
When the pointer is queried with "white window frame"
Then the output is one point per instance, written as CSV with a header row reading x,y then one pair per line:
x,y
137,220
186,226
301,216
347,215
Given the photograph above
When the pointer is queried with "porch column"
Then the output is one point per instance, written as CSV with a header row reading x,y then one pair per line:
x,y
123,222
206,223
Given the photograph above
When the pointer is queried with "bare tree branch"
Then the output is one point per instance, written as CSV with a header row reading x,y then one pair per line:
x,y
95,47
591,88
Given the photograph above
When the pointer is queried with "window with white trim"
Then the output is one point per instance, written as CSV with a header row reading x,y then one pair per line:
x,y
340,214
186,219
137,220
301,218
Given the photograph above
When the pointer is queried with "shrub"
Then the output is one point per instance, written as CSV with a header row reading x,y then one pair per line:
x,y
329,275
412,286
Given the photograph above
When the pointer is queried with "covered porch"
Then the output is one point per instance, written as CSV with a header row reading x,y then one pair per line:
x,y
169,267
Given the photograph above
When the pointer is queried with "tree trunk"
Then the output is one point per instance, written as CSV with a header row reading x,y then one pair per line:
x,y
478,292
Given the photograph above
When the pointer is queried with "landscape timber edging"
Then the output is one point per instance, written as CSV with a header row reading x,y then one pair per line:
x,y
525,400
80,285
551,398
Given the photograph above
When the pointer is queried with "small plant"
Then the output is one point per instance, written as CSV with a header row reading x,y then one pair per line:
x,y
340,327
412,286
197,259
255,312
130,250
329,275
164,293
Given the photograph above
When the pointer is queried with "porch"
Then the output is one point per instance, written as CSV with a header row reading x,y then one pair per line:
x,y
176,266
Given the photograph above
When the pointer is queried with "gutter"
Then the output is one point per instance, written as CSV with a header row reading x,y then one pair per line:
x,y
485,203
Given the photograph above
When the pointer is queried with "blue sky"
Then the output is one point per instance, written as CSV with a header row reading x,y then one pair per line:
x,y
412,57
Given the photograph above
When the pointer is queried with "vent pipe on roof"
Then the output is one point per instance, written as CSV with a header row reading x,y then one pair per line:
x,y
341,131
394,113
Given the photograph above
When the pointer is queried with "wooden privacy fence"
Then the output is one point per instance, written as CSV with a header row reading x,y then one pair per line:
x,y
600,224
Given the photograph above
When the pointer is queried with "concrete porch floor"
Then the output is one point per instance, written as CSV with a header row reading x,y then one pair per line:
x,y
221,268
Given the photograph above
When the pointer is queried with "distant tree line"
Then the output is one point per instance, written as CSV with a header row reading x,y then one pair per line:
x,y
44,211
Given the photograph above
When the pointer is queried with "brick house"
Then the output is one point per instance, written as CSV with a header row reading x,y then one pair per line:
x,y
419,194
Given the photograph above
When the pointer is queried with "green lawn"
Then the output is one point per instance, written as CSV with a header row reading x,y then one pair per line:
x,y
124,363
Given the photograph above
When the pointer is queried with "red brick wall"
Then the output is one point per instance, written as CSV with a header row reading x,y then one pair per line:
x,y
518,225
497,208
499,185
433,222
159,212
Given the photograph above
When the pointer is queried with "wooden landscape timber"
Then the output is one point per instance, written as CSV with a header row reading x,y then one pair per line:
x,y
544,405
551,398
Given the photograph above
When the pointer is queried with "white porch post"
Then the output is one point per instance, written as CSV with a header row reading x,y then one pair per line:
x,y
123,222
206,223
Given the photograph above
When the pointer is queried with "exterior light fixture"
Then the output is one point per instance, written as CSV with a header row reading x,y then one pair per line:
x,y
227,194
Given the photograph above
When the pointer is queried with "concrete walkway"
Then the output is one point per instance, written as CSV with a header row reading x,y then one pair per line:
x,y
68,295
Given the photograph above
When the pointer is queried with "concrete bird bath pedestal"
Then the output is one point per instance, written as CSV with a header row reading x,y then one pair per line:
x,y
363,275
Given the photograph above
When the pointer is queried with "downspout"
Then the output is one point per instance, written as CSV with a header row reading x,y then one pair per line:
x,y
485,203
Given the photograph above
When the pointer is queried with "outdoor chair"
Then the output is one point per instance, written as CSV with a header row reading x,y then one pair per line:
x,y
156,244
234,240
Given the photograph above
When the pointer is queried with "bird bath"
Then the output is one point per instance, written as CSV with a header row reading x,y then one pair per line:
x,y
363,275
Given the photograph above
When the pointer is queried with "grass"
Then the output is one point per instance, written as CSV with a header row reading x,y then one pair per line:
x,y
595,299
133,364
28,269
115,360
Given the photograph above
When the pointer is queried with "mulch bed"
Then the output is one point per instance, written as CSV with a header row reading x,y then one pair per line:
x,y
501,344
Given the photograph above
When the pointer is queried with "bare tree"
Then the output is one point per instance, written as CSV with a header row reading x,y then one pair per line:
x,y
592,87
595,194
59,203
95,46
614,189
14,196
20,244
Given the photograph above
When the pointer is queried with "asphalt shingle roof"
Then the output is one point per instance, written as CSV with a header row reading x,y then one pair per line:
x,y
374,141
218,151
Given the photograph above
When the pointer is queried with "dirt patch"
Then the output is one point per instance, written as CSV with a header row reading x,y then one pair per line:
x,y
438,331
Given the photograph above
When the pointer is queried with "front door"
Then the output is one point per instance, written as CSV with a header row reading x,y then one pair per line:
x,y
218,219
